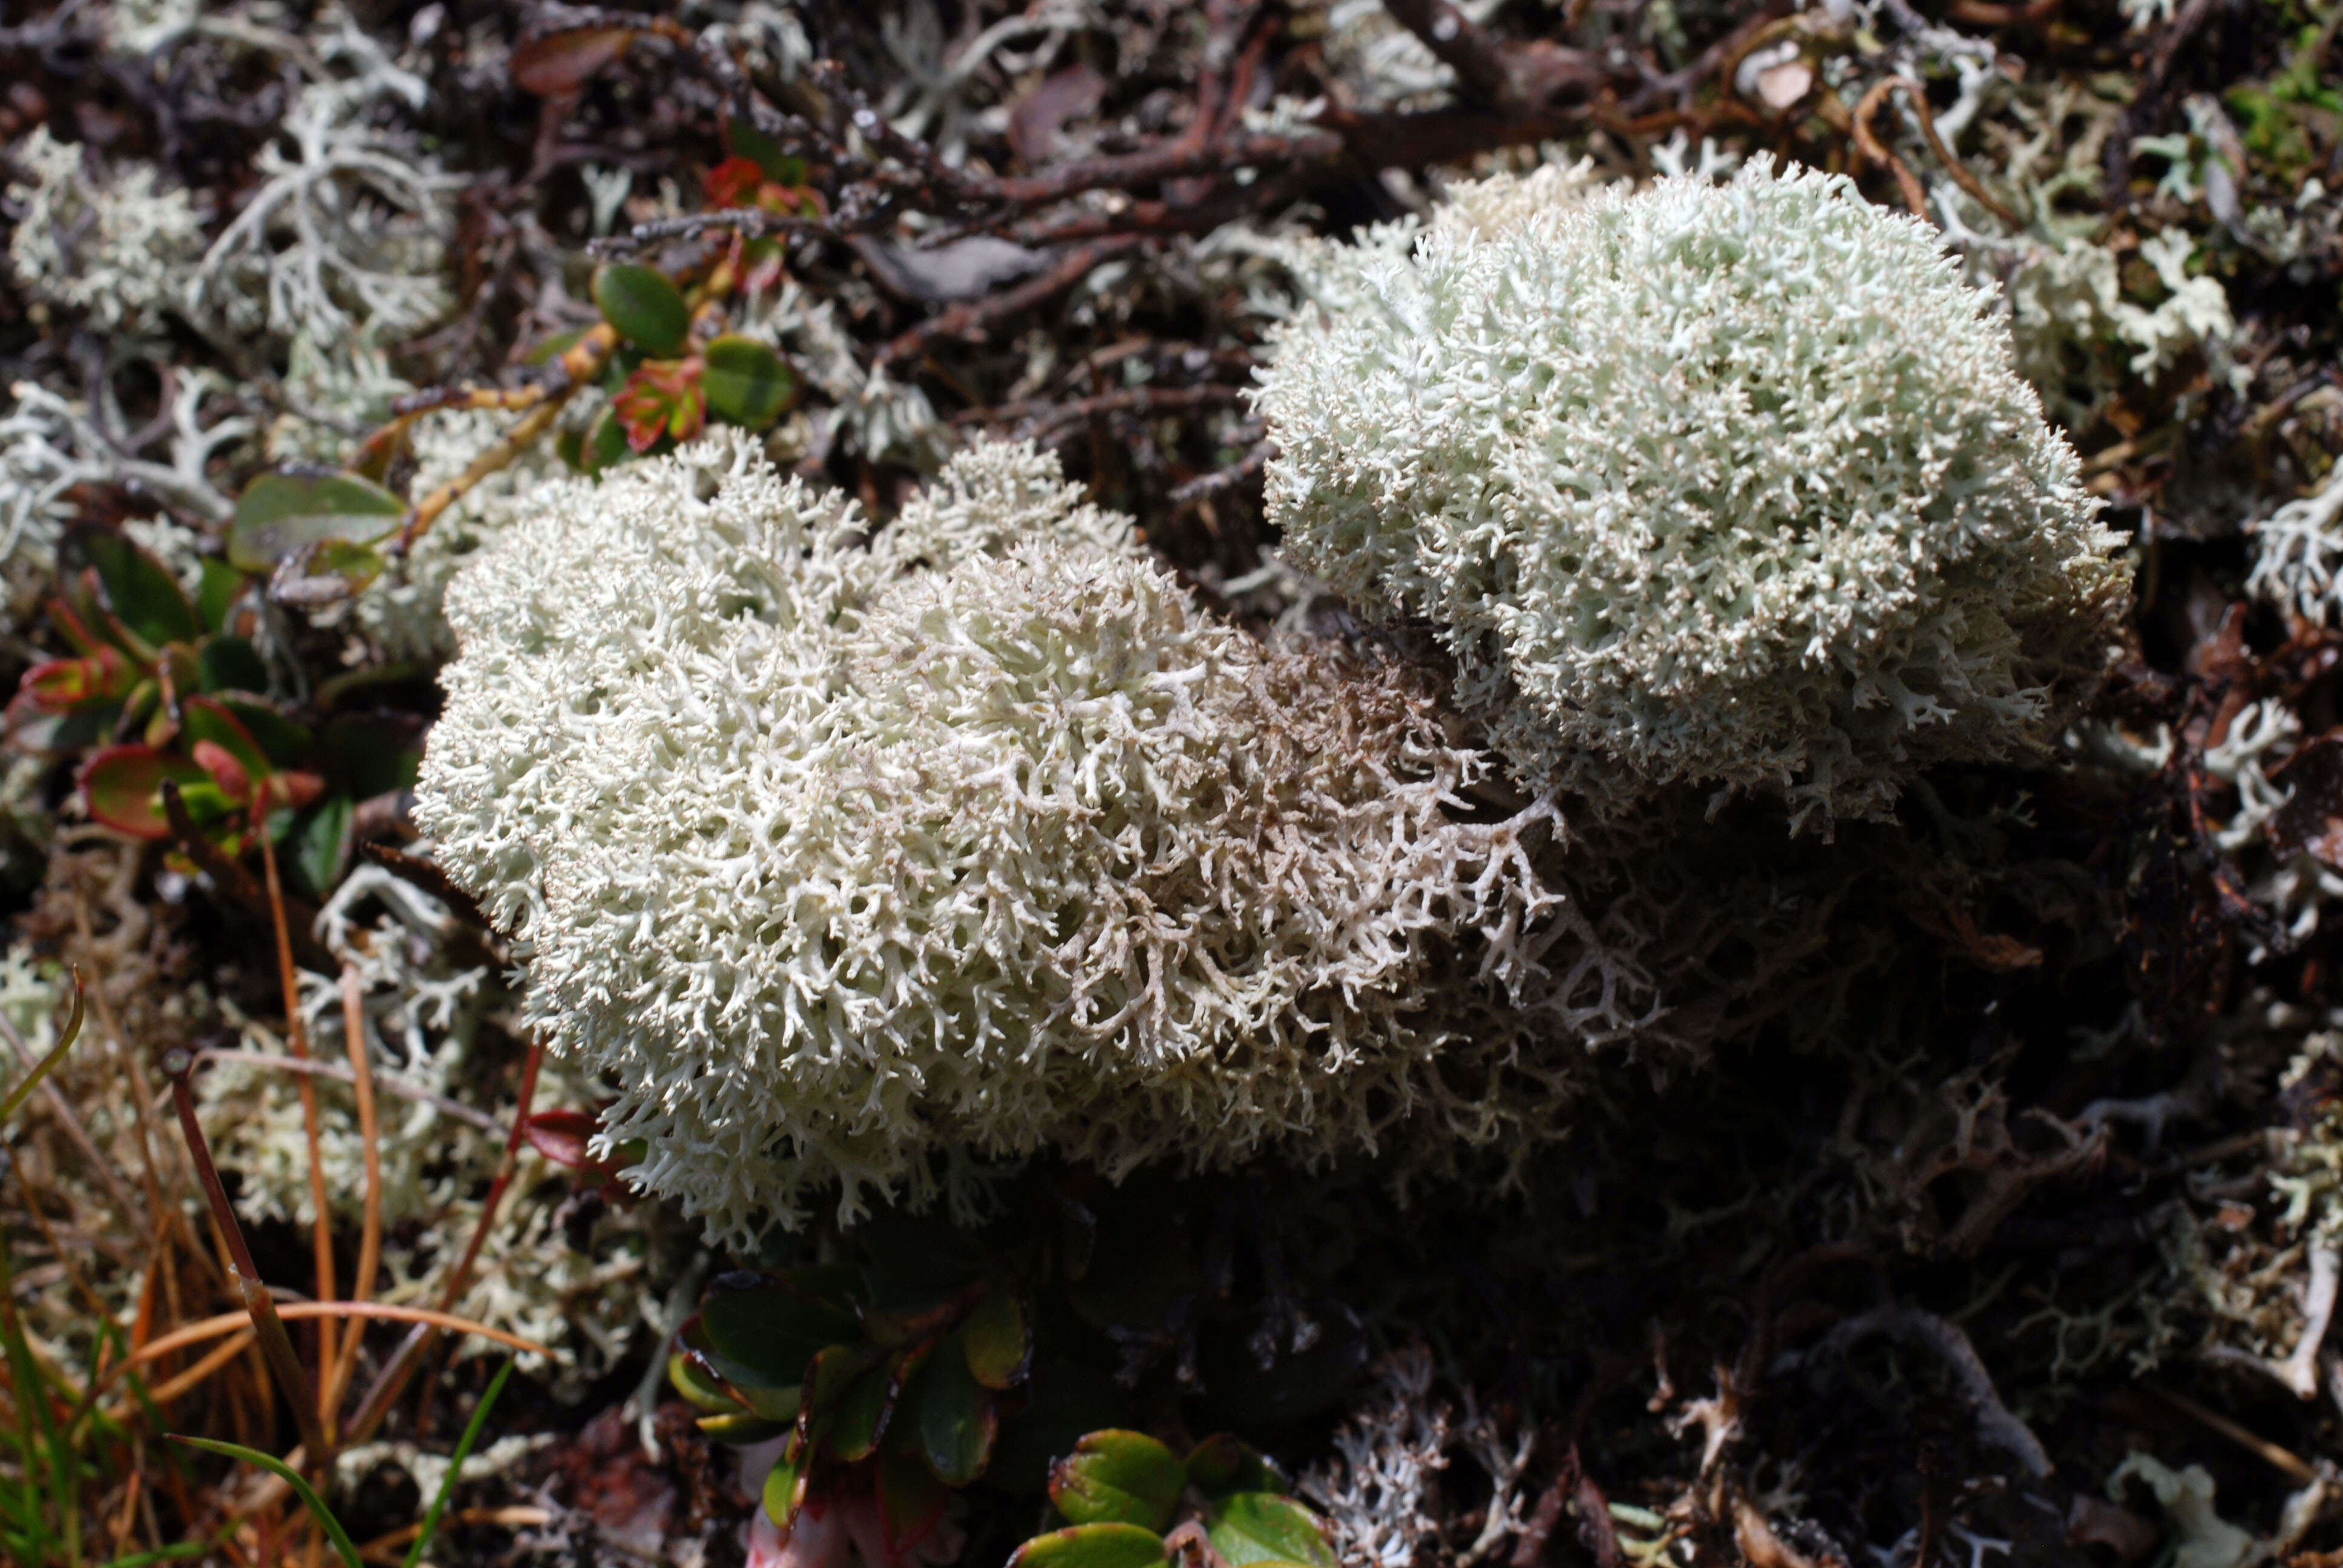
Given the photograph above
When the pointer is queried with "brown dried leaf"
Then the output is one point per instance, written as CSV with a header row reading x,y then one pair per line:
x,y
556,65
2312,819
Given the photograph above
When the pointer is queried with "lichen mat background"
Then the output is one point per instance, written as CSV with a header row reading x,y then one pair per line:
x,y
1346,783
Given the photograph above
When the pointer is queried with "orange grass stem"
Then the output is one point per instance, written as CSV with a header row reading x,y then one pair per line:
x,y
387,1387
203,1329
354,1038
297,1040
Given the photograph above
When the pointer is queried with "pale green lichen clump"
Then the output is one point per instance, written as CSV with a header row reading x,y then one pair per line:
x,y
1728,485
109,244
827,865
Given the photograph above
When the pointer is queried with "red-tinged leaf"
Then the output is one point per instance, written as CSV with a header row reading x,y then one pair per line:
x,y
73,621
689,1375
863,1410
734,183
747,141
792,201
122,786
1093,1546
561,1136
226,772
558,64
208,718
762,263
663,397
287,791
62,685
1119,1478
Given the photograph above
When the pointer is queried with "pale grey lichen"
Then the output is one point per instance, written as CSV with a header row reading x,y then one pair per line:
x,y
991,496
1730,485
49,444
2298,549
2075,332
345,240
104,242
826,868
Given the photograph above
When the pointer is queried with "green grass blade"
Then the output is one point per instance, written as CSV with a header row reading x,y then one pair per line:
x,y
18,1095
346,1548
162,1554
455,1464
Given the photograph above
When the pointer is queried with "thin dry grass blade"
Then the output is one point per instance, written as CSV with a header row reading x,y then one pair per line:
x,y
370,1239
226,1323
297,1040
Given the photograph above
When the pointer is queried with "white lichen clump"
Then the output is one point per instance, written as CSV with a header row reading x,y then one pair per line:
x,y
827,866
1731,485
106,242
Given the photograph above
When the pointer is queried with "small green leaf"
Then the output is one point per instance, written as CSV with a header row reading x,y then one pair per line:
x,y
743,1429
1093,1546
344,1547
1119,1478
746,382
772,1326
281,513
215,598
230,664
862,1412
321,846
548,349
1263,1527
209,718
957,1418
828,1376
785,1487
701,1389
998,1342
280,737
605,445
140,590
1224,1463
648,310
357,564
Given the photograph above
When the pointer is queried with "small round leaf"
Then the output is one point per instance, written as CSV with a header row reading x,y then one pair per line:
x,y
1263,1527
1119,1478
647,309
1093,1546
957,1422
746,382
998,1340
